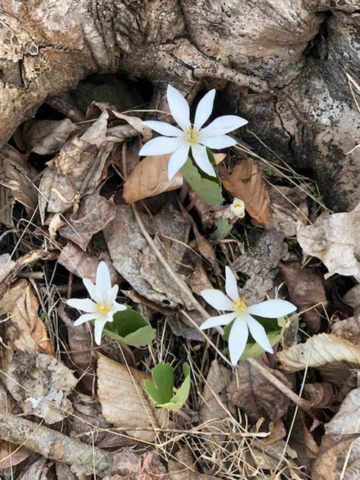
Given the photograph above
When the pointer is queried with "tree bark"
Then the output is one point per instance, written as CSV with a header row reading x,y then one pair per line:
x,y
282,64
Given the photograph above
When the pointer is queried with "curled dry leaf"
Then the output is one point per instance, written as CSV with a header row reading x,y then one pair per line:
x,y
46,137
321,395
332,355
84,265
135,260
16,184
306,290
23,329
334,238
150,178
339,455
182,467
94,213
254,394
128,464
348,329
124,401
246,183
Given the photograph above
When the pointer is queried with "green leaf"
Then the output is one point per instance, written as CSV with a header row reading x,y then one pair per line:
x,y
223,228
162,392
206,187
163,377
130,328
274,329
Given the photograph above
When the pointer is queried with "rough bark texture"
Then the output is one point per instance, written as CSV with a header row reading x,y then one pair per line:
x,y
282,63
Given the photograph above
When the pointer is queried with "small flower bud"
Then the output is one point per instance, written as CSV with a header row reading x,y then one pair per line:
x,y
238,208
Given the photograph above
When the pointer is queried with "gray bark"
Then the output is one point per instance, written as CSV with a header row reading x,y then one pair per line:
x,y
282,64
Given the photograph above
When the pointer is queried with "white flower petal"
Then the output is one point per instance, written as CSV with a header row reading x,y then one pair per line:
x,y
93,291
112,294
222,141
258,333
177,160
179,107
217,299
239,334
85,318
272,309
84,304
204,109
223,125
118,307
231,287
99,327
218,320
103,280
202,159
161,145
163,128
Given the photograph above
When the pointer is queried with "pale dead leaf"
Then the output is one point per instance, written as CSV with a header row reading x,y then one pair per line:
x,y
39,470
137,124
94,213
185,468
84,265
214,406
39,383
135,260
16,177
340,443
46,137
64,472
150,178
277,432
332,355
24,329
254,394
334,238
306,290
246,183
287,207
6,265
348,329
124,401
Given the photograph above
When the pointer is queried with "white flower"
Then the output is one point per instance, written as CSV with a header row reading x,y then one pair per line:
x,y
238,208
103,308
191,136
242,314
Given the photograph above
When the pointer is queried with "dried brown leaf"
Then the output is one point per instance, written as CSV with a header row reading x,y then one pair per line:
x,y
94,213
306,290
332,355
246,183
348,329
46,137
254,394
11,455
129,465
16,184
124,401
352,298
135,260
185,468
214,406
334,238
39,383
24,329
198,280
150,178
321,395
84,265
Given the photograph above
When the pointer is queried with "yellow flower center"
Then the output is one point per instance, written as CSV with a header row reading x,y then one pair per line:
x,y
240,307
103,308
191,135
